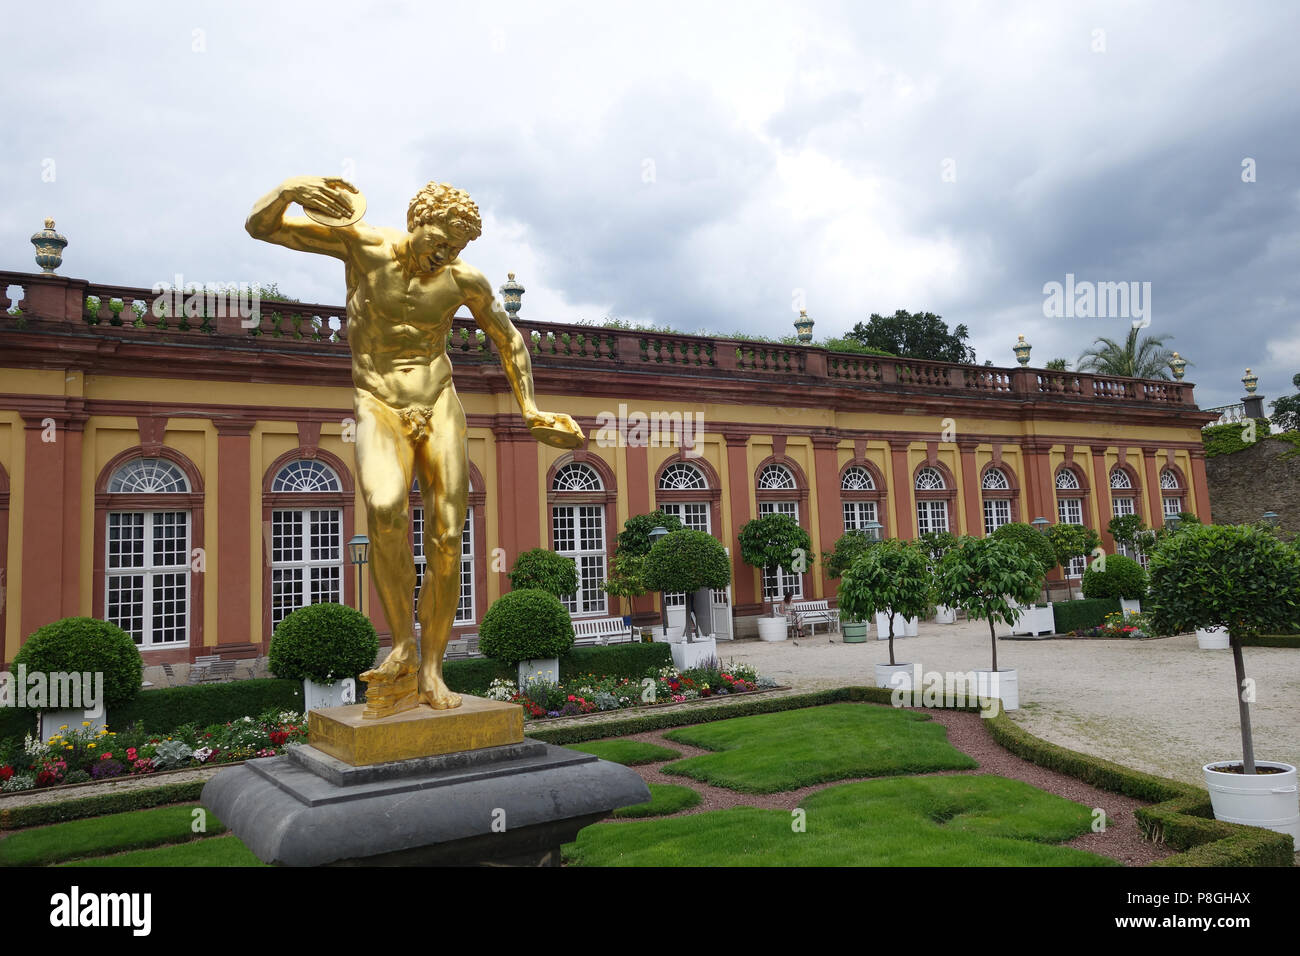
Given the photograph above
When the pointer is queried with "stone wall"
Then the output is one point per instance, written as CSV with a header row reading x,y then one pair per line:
x,y
1247,483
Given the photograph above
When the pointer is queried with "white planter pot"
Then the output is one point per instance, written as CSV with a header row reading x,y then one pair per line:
x,y
687,655
53,720
945,615
1004,684
1035,620
1212,639
673,635
772,628
1259,800
539,669
896,675
319,696
1126,606
902,628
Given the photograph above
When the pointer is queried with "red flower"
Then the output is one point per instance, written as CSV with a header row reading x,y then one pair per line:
x,y
6,773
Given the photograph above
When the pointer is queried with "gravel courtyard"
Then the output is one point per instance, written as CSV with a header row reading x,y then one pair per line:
x,y
1159,705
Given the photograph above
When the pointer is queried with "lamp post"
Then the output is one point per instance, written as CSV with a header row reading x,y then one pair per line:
x,y
359,554
1270,519
1041,524
1173,521
872,528
656,533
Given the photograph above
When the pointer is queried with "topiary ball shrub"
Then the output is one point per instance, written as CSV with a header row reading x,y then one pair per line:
x,y
1123,578
1030,540
84,644
546,571
686,560
323,643
530,624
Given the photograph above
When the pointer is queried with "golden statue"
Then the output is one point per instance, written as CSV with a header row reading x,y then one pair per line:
x,y
403,289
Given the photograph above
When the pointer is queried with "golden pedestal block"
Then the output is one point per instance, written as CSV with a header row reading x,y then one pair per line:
x,y
345,733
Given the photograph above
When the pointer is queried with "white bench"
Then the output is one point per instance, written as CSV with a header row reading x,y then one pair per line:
x,y
813,613
599,630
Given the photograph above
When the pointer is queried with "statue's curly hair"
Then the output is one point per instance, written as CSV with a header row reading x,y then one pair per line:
x,y
445,205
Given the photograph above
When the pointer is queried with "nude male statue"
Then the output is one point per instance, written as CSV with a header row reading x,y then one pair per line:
x,y
402,290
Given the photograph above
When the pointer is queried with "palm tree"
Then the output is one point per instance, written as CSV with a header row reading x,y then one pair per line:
x,y
1147,359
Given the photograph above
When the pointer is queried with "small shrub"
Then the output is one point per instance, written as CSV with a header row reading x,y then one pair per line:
x,y
1122,578
1079,615
323,643
1030,540
546,571
687,560
525,625
86,644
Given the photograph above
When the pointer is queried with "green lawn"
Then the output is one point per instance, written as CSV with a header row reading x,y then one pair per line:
x,y
902,821
95,836
665,798
768,753
627,752
219,851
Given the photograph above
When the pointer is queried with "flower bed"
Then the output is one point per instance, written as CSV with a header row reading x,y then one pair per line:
x,y
83,755
589,694
1119,624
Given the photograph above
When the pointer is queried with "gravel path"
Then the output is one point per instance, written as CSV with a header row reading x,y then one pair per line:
x,y
1163,706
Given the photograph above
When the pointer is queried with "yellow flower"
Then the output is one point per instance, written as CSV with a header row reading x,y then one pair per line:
x,y
85,723
91,746
63,727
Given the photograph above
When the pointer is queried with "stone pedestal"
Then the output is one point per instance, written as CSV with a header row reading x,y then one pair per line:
x,y
512,804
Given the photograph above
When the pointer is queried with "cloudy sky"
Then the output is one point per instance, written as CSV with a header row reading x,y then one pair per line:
x,y
701,165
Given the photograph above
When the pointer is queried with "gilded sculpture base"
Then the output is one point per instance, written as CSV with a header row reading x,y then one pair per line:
x,y
352,736
386,698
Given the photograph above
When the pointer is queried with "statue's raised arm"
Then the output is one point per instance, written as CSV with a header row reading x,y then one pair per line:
x,y
327,196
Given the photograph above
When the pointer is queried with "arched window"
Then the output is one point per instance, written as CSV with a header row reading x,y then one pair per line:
x,y
931,511
578,532
999,495
1171,492
1124,501
1069,510
465,604
681,476
779,478
147,567
859,510
306,541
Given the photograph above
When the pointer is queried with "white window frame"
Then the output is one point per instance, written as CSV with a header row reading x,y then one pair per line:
x,y
931,515
776,581
997,512
465,601
589,600
857,514
152,576
310,568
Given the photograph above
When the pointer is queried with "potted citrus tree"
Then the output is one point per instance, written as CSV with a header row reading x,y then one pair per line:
x,y
893,578
1244,580
82,645
850,546
694,562
1070,541
626,568
770,542
325,646
530,630
991,579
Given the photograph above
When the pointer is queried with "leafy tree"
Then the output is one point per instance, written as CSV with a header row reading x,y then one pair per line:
x,y
984,576
891,578
1147,358
773,541
1058,365
687,560
1242,578
1030,540
1120,577
1130,531
919,335
1286,410
851,546
1070,541
545,570
634,539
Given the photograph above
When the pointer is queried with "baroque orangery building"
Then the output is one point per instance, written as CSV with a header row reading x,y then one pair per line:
x,y
193,480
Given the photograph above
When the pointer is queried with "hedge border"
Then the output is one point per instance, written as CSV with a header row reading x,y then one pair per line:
x,y
1272,640
42,814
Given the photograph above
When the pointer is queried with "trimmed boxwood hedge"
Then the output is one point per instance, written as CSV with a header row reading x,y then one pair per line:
x,y
1087,612
1272,640
166,708
43,814
475,675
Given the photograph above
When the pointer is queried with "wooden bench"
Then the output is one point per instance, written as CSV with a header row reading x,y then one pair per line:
x,y
812,613
599,630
